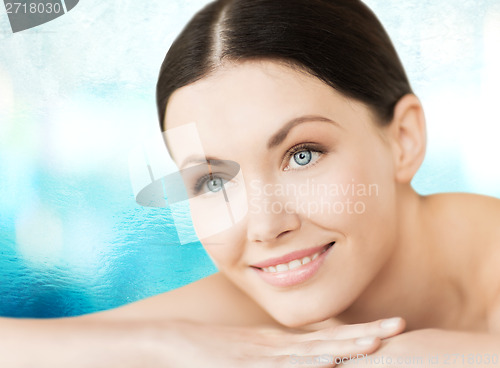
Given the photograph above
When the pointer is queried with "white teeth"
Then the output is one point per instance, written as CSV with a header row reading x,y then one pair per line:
x,y
292,264
282,267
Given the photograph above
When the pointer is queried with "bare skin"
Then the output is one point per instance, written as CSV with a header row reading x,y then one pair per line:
x,y
469,304
468,301
433,258
429,259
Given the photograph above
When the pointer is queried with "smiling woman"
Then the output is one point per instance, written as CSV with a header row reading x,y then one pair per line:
x,y
312,107
351,149
297,135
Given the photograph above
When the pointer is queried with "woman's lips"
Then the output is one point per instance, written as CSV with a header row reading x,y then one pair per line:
x,y
285,276
291,256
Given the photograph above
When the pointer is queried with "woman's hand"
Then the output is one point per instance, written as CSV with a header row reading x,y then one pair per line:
x,y
190,344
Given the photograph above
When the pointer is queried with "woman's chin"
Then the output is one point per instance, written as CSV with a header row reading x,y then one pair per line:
x,y
303,319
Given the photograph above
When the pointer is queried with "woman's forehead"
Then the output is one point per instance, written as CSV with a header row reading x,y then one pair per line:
x,y
251,91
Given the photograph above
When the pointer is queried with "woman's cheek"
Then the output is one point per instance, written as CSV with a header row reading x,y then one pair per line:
x,y
374,226
334,196
361,196
225,248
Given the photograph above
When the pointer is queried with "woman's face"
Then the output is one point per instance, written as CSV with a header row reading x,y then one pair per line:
x,y
316,170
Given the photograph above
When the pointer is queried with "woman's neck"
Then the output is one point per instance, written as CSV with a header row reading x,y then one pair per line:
x,y
420,281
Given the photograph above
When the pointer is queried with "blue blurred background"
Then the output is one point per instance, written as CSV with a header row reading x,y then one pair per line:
x,y
77,95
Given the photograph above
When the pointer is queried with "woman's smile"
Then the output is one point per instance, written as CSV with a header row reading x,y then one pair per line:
x,y
293,268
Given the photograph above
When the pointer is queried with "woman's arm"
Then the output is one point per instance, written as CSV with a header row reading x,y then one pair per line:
x,y
109,337
73,342
89,342
206,323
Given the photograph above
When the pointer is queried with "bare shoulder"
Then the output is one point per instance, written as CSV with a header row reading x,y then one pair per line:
x,y
471,222
213,299
467,223
471,212
470,200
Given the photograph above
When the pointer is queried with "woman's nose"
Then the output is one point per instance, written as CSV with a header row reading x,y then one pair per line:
x,y
270,216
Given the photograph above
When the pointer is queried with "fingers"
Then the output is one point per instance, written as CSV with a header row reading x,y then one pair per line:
x,y
382,328
337,348
327,347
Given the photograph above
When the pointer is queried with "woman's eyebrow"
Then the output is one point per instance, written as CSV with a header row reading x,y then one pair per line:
x,y
281,134
275,140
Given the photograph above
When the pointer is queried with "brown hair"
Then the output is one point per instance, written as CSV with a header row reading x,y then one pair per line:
x,y
341,42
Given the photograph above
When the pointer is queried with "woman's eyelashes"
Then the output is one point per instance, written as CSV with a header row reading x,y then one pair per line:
x,y
302,156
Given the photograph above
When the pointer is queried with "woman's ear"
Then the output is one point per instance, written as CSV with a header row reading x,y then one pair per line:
x,y
408,135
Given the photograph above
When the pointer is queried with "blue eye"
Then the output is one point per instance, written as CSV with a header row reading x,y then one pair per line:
x,y
302,158
209,184
214,184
